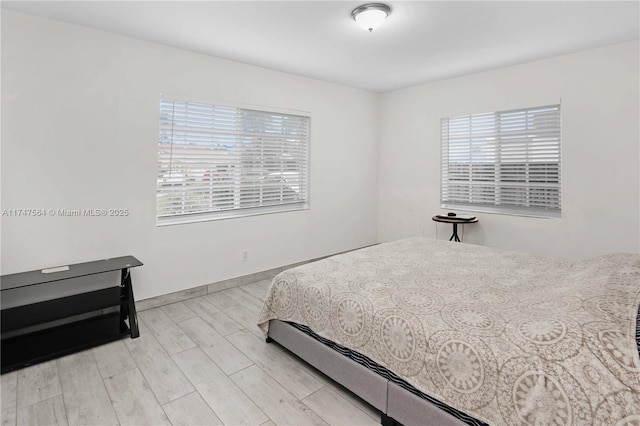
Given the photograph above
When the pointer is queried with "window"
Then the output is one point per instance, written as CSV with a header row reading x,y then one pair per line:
x,y
505,162
219,161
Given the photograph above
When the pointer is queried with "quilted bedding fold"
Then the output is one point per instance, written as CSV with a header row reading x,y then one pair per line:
x,y
506,337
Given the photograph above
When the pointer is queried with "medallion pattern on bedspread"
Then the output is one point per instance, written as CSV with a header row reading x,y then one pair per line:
x,y
351,319
505,337
400,337
463,368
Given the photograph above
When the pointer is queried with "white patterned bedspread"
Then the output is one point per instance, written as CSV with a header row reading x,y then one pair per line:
x,y
508,338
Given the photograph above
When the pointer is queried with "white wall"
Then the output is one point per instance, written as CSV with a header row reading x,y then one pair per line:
x,y
79,130
600,153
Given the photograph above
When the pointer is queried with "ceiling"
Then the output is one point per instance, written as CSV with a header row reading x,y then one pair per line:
x,y
421,41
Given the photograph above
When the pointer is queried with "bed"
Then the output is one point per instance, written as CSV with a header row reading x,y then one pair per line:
x,y
431,332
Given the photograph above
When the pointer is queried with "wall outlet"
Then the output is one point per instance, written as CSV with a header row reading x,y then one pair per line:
x,y
245,255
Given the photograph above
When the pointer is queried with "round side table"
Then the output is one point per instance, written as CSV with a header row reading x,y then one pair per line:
x,y
455,221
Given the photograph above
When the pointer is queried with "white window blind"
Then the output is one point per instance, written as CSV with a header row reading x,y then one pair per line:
x,y
219,161
507,161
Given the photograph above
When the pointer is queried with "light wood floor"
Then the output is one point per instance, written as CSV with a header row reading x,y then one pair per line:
x,y
198,362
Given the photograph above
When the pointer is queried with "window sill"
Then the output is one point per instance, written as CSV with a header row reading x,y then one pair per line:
x,y
229,214
539,214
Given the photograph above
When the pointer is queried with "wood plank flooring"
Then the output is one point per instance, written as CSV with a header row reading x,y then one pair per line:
x,y
202,361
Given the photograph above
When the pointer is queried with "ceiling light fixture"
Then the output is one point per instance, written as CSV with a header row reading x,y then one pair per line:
x,y
370,16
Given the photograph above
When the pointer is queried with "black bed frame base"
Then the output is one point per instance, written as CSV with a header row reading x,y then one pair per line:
x,y
388,421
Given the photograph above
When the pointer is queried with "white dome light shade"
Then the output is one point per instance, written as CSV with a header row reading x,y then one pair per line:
x,y
370,16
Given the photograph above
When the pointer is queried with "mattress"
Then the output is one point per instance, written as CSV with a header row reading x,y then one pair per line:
x,y
502,337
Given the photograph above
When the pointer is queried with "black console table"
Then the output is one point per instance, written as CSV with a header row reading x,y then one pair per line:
x,y
57,311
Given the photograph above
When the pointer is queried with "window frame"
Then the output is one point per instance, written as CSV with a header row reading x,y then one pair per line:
x,y
303,184
500,169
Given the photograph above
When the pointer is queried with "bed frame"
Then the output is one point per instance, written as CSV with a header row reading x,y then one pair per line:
x,y
397,405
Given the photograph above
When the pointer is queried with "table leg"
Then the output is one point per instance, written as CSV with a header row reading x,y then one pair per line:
x,y
454,236
129,309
